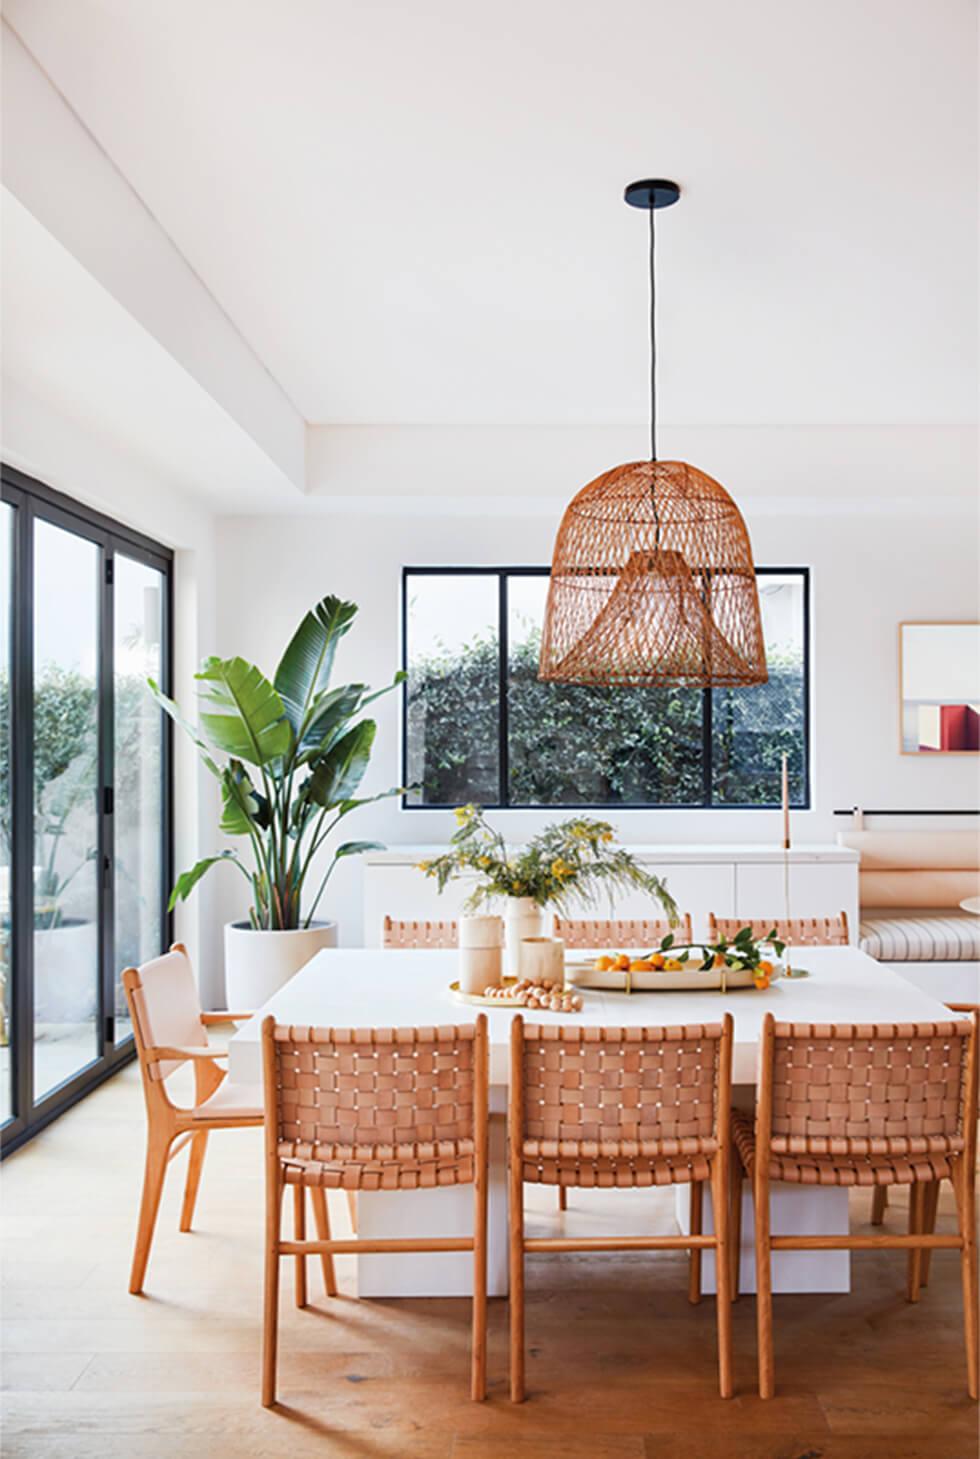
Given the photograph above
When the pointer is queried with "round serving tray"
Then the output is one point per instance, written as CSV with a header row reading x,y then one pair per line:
x,y
583,973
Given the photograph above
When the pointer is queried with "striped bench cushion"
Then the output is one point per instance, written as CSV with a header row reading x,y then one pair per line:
x,y
922,937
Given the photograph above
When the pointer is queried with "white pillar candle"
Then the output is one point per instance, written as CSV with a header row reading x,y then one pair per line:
x,y
542,960
480,953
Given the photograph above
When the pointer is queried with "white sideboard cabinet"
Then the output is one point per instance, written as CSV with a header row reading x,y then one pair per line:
x,y
731,881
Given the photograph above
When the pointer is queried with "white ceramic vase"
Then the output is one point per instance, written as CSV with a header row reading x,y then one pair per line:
x,y
522,918
258,964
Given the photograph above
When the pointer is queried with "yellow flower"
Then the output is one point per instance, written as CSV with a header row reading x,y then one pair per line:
x,y
461,813
607,835
484,860
421,866
560,868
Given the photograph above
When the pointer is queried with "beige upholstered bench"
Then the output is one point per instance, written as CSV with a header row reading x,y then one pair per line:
x,y
911,886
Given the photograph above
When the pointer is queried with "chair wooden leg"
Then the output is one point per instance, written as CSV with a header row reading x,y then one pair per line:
x,y
270,1325
155,1169
478,1361
694,1260
964,1186
321,1217
299,1227
917,1202
352,1210
735,1224
879,1200
562,1198
763,1286
929,1225
195,1165
723,1301
516,1275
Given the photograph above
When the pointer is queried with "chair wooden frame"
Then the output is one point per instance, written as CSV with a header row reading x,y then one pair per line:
x,y
325,1246
696,1242
919,1240
796,931
430,935
170,1127
919,1274
619,932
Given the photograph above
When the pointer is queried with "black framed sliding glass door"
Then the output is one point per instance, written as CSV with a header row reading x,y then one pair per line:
x,y
84,793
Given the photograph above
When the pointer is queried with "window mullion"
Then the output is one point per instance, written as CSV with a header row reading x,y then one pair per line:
x,y
503,652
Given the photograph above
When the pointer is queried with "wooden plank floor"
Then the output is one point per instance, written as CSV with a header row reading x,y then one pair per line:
x,y
619,1365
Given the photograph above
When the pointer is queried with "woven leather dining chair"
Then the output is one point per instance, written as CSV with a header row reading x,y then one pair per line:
x,y
919,1275
170,1028
862,1105
642,932
384,1109
611,1108
795,931
636,932
428,935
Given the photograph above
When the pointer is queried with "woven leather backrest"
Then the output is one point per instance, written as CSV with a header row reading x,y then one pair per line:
x,y
866,1089
419,934
797,931
167,1008
616,1085
637,932
372,1088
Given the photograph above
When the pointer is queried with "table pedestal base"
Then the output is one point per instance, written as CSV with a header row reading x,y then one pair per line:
x,y
803,1210
809,1210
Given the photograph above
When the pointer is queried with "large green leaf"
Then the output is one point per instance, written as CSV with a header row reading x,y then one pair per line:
x,y
327,718
250,722
243,809
346,806
354,848
341,770
330,711
188,880
400,676
305,667
169,707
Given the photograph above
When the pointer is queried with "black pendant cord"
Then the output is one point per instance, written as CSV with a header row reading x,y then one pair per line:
x,y
653,340
653,380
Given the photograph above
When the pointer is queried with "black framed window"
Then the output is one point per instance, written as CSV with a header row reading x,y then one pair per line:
x,y
479,726
85,765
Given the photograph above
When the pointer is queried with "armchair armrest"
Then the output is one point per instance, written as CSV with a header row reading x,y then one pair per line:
x,y
224,1015
165,1051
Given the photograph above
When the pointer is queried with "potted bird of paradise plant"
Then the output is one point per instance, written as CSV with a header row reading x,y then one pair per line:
x,y
295,752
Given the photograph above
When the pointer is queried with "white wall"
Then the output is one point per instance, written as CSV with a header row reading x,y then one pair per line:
x,y
872,566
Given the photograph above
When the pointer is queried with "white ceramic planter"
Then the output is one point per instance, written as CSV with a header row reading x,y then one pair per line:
x,y
258,964
523,918
66,972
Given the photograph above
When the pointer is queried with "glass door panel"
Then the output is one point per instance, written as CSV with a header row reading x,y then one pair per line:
x,y
66,811
138,753
6,824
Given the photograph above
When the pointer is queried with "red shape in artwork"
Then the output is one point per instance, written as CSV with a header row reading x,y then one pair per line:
x,y
959,727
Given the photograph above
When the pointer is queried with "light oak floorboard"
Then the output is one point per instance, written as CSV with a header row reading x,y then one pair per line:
x,y
619,1364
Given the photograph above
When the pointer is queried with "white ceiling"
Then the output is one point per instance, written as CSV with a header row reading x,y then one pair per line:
x,y
413,211
67,341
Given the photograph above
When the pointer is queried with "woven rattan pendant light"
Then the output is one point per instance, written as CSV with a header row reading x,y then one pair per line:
x,y
652,580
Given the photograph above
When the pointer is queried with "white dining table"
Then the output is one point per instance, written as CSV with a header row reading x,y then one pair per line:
x,y
378,987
